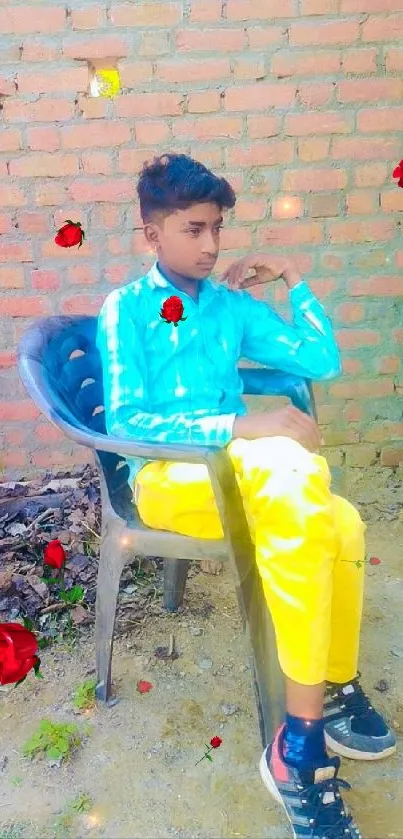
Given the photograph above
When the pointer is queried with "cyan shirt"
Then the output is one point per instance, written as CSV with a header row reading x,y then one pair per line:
x,y
181,384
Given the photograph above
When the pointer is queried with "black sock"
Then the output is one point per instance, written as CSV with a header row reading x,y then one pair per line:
x,y
304,743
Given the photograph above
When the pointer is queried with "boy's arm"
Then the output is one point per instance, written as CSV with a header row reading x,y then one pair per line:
x,y
307,347
125,390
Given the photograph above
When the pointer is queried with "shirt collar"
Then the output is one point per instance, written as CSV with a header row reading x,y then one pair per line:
x,y
208,290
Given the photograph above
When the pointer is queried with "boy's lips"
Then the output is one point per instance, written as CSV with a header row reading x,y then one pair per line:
x,y
208,264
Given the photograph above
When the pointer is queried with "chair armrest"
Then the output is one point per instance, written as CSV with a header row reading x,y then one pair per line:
x,y
264,382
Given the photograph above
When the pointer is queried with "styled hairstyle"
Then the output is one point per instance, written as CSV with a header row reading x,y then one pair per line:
x,y
175,182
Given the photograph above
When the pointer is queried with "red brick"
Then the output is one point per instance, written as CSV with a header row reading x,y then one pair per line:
x,y
7,87
43,139
209,128
271,153
49,193
286,234
365,148
363,202
45,280
36,224
18,252
149,105
263,126
44,110
368,6
44,166
373,174
360,61
369,90
10,140
17,20
145,15
313,149
86,192
331,122
49,250
205,11
233,238
352,366
83,304
319,7
352,412
6,224
62,80
249,68
398,336
93,108
260,38
321,34
364,389
392,201
287,207
185,71
392,455
399,259
39,51
97,163
11,277
116,274
284,64
389,28
394,61
14,459
315,95
378,287
18,411
259,9
132,160
211,40
380,119
351,339
95,134
23,307
81,275
250,210
357,231
48,433
259,97
88,18
350,312
8,359
154,43
203,102
389,365
135,73
105,46
314,180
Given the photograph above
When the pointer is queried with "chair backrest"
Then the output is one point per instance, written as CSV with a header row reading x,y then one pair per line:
x,y
60,353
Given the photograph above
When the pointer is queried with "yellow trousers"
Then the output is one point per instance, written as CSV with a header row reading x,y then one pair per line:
x,y
307,542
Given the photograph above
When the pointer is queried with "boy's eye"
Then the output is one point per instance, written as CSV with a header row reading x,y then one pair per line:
x,y
194,231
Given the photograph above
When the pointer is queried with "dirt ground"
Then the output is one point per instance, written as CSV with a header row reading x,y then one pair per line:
x,y
138,764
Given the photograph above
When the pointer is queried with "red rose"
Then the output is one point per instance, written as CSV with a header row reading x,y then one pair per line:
x,y
54,554
215,742
374,560
17,652
70,234
143,687
398,173
172,310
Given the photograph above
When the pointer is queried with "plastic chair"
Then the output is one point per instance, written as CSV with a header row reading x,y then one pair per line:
x,y
61,369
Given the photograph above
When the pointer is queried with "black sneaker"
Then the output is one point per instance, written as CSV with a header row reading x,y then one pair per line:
x,y
352,726
311,799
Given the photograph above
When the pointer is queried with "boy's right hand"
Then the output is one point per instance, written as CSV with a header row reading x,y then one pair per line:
x,y
285,422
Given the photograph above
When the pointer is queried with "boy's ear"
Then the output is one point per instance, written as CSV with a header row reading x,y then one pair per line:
x,y
151,232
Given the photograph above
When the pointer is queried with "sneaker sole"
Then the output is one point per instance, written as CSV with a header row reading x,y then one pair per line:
x,y
355,754
271,787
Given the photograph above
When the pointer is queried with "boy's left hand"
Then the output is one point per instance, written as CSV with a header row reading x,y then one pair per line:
x,y
267,269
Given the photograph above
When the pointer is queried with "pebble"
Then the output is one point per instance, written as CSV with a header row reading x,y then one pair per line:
x,y
382,686
205,664
229,710
195,630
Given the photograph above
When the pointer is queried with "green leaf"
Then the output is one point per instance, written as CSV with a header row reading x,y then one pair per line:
x,y
20,681
54,753
28,623
43,643
359,564
74,595
209,758
38,674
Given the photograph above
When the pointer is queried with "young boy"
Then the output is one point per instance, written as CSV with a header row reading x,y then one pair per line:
x,y
173,378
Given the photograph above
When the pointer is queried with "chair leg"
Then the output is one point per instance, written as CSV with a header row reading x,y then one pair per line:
x,y
175,575
111,562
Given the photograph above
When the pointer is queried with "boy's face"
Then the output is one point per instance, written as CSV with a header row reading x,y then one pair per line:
x,y
188,241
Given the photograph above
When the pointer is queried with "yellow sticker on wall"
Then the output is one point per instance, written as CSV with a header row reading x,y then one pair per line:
x,y
105,83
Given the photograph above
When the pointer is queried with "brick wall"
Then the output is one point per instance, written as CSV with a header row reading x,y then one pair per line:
x,y
293,99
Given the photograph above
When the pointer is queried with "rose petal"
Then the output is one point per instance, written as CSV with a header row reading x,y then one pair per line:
x,y
144,687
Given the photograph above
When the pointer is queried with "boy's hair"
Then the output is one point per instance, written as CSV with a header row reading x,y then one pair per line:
x,y
175,182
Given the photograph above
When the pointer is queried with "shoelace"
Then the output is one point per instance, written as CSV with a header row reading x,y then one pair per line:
x,y
329,821
357,703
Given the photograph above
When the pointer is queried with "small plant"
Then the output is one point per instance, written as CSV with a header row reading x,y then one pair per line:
x,y
53,740
73,595
82,803
84,697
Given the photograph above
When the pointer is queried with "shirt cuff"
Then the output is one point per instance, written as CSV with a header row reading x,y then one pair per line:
x,y
301,293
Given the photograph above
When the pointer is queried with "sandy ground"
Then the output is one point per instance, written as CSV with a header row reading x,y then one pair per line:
x,y
138,764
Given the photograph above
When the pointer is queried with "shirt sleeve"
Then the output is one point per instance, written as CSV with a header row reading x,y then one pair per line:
x,y
306,347
127,410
